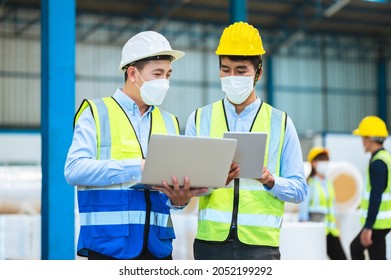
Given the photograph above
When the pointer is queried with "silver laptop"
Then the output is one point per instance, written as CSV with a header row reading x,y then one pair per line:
x,y
250,152
206,161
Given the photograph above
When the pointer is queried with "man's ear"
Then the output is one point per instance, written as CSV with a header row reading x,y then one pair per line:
x,y
132,72
260,74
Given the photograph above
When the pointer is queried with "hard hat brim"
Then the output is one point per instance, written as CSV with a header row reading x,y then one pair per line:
x,y
238,53
174,53
357,132
316,152
360,133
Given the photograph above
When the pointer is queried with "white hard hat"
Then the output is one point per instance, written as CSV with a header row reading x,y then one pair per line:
x,y
147,44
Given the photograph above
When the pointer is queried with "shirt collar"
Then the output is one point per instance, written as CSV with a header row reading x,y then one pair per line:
x,y
249,108
321,180
128,103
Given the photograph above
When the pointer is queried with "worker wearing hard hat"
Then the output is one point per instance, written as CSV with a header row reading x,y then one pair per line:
x,y
375,207
320,204
244,221
106,158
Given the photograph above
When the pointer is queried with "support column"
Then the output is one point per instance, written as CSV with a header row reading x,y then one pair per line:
x,y
238,10
269,80
57,111
382,83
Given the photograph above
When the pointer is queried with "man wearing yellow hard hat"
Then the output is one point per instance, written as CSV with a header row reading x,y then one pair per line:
x,y
320,204
244,220
107,154
375,207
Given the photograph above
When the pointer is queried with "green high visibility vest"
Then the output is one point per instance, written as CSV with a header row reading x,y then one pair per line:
x,y
324,203
259,213
383,218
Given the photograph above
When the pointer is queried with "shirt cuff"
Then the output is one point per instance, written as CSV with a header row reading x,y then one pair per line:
x,y
176,207
278,184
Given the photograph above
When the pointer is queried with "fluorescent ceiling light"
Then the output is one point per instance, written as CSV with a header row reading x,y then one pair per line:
x,y
336,7
378,1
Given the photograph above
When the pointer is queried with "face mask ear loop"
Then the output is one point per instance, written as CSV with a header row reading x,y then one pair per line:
x,y
140,77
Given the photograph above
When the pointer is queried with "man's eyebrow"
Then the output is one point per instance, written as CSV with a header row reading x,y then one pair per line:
x,y
236,67
241,67
161,70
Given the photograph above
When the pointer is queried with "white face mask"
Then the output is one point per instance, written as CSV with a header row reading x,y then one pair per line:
x,y
153,92
322,168
237,88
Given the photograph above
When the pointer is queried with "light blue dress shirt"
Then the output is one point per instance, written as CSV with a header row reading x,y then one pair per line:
x,y
81,166
291,185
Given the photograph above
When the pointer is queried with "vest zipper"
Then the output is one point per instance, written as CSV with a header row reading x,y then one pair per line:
x,y
234,222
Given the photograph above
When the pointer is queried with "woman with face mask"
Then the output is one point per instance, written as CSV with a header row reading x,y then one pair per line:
x,y
320,204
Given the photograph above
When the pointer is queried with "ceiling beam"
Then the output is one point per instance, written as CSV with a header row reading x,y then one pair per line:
x,y
93,28
172,11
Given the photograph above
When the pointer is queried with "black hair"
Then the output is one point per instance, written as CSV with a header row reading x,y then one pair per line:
x,y
378,140
255,60
140,64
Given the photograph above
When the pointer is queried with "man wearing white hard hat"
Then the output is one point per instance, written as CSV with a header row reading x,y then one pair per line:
x,y
107,154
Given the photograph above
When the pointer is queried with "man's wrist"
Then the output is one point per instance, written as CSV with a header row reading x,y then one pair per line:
x,y
179,206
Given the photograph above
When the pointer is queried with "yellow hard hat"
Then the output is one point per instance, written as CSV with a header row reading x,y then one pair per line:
x,y
315,151
240,38
371,126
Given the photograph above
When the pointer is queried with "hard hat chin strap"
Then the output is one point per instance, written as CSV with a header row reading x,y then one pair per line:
x,y
258,71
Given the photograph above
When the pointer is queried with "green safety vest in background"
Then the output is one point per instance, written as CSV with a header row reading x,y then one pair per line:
x,y
324,203
259,213
383,218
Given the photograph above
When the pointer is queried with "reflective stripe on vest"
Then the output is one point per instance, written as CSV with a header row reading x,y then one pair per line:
x,y
124,217
114,140
383,218
258,222
324,203
103,210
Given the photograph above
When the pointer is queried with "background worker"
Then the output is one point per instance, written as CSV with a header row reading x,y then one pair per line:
x,y
107,153
244,221
375,207
320,204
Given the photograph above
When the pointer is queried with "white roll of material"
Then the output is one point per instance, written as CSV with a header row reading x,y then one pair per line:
x,y
348,185
20,189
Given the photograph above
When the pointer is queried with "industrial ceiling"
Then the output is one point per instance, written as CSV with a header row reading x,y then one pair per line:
x,y
284,20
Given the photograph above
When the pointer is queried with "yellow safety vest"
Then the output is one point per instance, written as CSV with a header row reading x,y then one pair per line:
x,y
121,229
324,203
121,142
259,213
383,218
